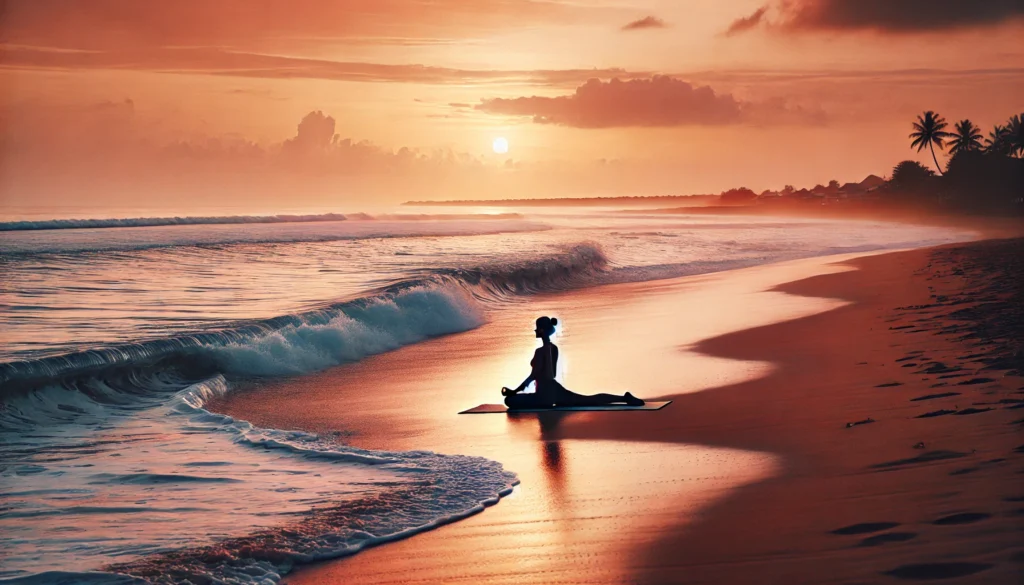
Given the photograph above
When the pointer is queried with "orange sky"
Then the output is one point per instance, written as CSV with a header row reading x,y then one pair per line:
x,y
199,100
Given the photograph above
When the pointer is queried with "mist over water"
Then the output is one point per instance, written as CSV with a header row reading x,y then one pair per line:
x,y
115,338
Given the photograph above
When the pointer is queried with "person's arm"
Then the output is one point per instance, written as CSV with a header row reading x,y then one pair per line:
x,y
554,360
525,383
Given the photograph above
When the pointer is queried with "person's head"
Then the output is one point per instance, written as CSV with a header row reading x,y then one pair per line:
x,y
545,327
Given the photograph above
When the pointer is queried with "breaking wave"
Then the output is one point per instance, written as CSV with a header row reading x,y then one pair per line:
x,y
438,303
122,432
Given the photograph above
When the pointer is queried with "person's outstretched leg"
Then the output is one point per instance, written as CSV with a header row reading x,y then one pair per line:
x,y
564,397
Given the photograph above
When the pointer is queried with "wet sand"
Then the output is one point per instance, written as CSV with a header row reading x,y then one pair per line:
x,y
751,475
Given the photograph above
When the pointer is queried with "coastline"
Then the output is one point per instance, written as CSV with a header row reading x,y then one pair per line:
x,y
778,527
1007,226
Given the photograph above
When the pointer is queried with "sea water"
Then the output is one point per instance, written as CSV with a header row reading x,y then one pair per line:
x,y
118,332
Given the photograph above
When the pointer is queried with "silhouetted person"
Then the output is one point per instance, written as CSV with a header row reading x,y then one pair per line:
x,y
549,392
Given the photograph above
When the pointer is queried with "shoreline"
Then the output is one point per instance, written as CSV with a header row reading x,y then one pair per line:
x,y
941,489
813,442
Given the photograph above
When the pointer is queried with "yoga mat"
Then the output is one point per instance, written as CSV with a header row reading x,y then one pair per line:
x,y
500,408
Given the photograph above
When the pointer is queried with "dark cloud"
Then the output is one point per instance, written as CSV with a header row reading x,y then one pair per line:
x,y
659,101
646,22
746,23
902,16
892,16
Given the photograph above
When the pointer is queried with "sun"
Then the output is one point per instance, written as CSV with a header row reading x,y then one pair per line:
x,y
500,145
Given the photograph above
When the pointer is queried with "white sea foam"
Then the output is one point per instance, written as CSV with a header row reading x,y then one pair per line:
x,y
147,484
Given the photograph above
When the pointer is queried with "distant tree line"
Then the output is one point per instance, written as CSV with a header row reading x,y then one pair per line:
x,y
983,173
639,200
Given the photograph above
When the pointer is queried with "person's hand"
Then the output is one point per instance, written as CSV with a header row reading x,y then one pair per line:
x,y
507,391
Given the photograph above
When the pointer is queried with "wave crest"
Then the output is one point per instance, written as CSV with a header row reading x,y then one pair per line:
x,y
438,303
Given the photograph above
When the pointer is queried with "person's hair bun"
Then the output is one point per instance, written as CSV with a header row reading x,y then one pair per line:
x,y
554,321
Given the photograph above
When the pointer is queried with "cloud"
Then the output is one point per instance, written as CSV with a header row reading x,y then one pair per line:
x,y
315,133
212,61
255,24
744,24
646,22
886,16
873,96
779,111
658,101
108,140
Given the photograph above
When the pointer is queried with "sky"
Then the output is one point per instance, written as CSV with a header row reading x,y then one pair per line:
x,y
350,104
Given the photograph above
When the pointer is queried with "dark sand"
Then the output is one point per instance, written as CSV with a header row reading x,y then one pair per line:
x,y
757,479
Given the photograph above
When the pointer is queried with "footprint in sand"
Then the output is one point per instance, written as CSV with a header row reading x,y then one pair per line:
x,y
945,411
971,411
880,539
999,402
964,518
923,458
937,570
974,381
934,413
939,368
865,528
934,396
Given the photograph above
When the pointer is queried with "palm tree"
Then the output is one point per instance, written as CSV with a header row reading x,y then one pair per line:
x,y
997,142
930,131
1015,135
966,138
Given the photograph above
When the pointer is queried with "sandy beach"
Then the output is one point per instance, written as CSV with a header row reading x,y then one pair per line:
x,y
835,420
270,270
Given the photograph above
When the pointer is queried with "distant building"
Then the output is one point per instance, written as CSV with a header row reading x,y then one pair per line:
x,y
872,182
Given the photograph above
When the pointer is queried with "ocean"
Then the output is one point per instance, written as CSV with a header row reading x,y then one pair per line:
x,y
117,334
